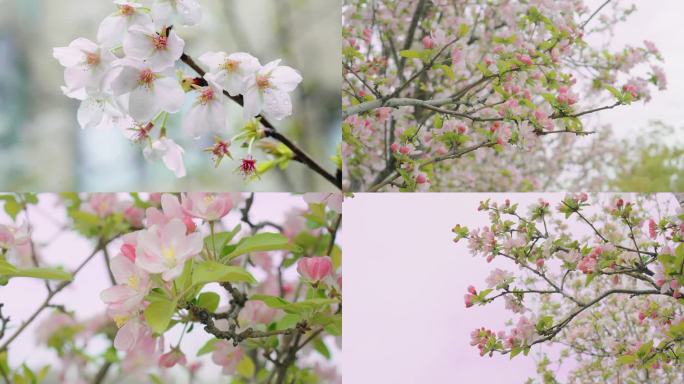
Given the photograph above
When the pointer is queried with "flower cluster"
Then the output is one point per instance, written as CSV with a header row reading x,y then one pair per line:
x,y
180,268
598,286
432,107
129,78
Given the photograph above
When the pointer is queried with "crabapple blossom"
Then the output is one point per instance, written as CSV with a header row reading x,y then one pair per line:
x,y
170,209
150,90
226,355
267,91
597,295
164,249
169,152
159,50
173,357
314,269
114,27
231,71
133,286
130,333
207,206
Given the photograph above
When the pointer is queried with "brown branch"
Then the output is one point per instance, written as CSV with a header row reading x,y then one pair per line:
x,y
299,154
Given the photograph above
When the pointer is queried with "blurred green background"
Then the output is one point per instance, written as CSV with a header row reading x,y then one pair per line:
x,y
43,148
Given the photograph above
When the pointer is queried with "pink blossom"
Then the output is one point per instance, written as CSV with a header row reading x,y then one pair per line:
x,y
100,204
171,209
226,355
128,295
498,277
428,43
314,269
171,358
652,229
257,312
207,206
164,249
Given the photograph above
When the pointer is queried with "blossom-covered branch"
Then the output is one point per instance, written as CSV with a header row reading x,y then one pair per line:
x,y
627,267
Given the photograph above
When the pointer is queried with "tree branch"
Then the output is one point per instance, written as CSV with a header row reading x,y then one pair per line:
x,y
299,154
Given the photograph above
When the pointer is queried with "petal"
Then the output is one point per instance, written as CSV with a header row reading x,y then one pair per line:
x,y
137,43
170,205
122,268
90,113
213,60
169,94
126,81
173,159
68,56
252,100
116,294
127,335
143,104
161,12
112,30
78,77
277,104
286,78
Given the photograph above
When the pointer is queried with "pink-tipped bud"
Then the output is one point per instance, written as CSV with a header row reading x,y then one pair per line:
x,y
421,179
314,269
169,359
394,147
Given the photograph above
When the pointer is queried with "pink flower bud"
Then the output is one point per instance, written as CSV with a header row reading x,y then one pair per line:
x,y
394,147
428,43
652,229
472,290
404,150
314,269
540,263
169,359
421,179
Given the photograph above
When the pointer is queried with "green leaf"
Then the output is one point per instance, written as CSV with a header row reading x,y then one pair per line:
x,y
211,271
158,315
515,351
645,349
12,206
208,347
261,242
411,54
320,347
245,367
626,359
155,379
271,301
44,273
209,301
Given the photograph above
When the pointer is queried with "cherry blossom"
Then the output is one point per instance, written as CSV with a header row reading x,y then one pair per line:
x,y
114,27
231,71
187,12
158,49
208,112
149,91
267,91
86,65
169,152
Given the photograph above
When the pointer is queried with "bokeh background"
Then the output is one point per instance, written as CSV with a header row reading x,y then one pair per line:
x,y
60,246
42,147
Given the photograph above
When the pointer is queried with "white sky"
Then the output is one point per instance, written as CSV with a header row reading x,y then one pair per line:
x,y
657,21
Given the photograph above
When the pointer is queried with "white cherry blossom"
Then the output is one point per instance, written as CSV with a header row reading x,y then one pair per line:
x,y
208,112
156,48
169,152
113,28
167,12
268,91
86,65
149,91
231,71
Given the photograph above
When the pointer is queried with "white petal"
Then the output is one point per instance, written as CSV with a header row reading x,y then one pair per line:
x,y
68,56
137,43
161,12
213,60
277,104
78,77
173,158
169,94
286,78
126,81
252,100
90,113
189,11
78,94
112,30
84,45
143,104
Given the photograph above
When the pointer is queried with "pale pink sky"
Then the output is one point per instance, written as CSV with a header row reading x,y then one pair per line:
x,y
405,321
22,296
